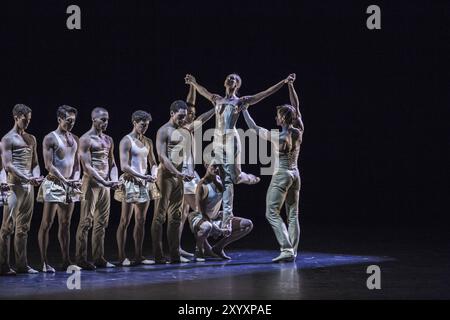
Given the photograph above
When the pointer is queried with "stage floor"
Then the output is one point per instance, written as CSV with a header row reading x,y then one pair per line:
x,y
414,265
250,275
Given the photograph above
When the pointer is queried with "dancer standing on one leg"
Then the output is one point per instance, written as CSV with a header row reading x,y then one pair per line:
x,y
207,221
191,124
61,187
21,163
171,146
285,184
226,138
138,186
99,175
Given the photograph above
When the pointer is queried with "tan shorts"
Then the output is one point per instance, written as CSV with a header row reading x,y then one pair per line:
x,y
134,190
53,190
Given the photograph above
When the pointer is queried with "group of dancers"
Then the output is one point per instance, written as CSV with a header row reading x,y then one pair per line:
x,y
179,194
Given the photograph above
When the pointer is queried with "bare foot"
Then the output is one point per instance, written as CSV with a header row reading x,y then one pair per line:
x,y
247,178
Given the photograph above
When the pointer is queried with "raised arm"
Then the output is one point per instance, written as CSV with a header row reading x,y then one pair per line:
x,y
295,103
253,99
192,96
47,151
201,119
262,132
190,80
161,150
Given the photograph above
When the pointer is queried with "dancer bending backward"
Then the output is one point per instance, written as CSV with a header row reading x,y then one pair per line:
x,y
21,163
207,221
138,186
285,185
61,187
99,175
191,124
227,111
170,146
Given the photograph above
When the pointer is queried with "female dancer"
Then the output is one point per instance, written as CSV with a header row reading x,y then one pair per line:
x,y
285,185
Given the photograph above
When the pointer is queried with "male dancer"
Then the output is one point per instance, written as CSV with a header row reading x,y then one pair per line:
x,y
207,221
191,124
100,174
226,138
170,145
136,156
21,162
61,187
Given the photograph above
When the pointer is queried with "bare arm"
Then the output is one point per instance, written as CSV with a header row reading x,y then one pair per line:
x,y
113,171
192,95
296,104
201,119
199,197
86,161
152,160
36,171
47,151
161,150
76,174
262,132
190,80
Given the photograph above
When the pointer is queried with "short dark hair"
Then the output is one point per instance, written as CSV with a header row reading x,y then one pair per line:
x,y
177,105
20,110
141,115
98,110
288,112
64,110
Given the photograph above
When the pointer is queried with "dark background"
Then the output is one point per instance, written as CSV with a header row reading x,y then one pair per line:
x,y
375,103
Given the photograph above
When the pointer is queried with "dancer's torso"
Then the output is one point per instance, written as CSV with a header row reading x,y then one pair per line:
x,y
64,154
100,149
288,149
212,202
138,155
22,157
227,115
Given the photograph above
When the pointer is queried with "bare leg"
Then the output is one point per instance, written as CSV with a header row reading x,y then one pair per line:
x,y
121,234
240,228
65,212
48,216
201,235
188,203
140,213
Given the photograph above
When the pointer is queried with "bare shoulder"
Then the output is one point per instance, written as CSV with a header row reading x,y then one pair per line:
x,y
148,141
30,138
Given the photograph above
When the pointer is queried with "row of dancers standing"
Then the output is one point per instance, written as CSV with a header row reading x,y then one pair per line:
x,y
179,193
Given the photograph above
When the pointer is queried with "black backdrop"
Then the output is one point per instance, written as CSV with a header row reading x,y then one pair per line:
x,y
375,103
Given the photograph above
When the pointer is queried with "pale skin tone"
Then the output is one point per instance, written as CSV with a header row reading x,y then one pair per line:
x,y
3,184
61,162
232,84
192,123
18,138
130,165
239,227
96,140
